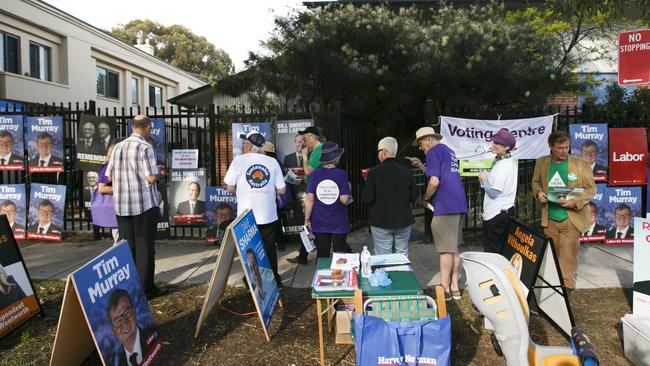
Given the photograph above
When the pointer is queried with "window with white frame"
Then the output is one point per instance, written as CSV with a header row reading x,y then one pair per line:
x,y
135,100
40,60
9,53
108,82
155,96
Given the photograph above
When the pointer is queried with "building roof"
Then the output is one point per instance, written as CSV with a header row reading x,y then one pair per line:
x,y
199,97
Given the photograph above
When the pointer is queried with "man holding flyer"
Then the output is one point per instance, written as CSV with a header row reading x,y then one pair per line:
x,y
564,185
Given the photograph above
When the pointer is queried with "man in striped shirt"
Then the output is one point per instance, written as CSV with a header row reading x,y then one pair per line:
x,y
133,172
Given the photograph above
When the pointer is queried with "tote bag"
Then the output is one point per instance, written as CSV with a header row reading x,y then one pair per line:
x,y
102,209
415,343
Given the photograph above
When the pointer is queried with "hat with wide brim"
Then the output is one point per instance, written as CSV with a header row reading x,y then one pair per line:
x,y
330,151
505,138
254,138
269,147
425,132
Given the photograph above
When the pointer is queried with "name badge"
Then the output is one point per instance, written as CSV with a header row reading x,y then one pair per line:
x,y
572,177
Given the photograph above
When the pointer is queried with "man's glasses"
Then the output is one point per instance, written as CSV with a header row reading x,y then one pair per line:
x,y
127,314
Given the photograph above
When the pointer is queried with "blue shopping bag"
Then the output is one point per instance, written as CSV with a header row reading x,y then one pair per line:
x,y
415,343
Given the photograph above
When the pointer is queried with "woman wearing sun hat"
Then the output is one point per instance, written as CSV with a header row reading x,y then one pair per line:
x,y
328,193
500,185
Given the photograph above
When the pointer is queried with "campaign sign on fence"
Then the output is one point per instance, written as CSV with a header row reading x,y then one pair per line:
x,y
524,248
470,139
185,158
641,271
12,203
46,208
157,140
628,150
93,138
116,309
220,212
91,178
162,228
188,196
45,144
12,148
18,301
264,128
621,205
257,266
596,216
589,141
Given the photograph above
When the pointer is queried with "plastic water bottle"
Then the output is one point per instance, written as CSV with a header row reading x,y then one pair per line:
x,y
365,262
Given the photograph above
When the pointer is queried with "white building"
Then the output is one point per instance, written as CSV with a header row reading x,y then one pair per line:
x,y
47,55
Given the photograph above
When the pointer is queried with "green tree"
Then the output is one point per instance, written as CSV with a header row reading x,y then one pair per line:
x,y
180,47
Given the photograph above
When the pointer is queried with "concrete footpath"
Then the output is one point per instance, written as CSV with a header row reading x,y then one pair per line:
x,y
192,262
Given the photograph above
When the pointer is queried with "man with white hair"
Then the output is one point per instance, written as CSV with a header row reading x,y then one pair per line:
x,y
390,189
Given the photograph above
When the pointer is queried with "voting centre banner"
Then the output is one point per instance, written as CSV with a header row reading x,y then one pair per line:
x,y
45,144
105,308
470,138
589,141
46,206
18,300
220,212
12,147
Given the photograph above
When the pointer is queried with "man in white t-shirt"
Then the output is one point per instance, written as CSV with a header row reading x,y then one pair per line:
x,y
500,186
256,179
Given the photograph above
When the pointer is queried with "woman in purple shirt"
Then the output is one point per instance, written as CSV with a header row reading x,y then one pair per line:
x,y
102,207
328,193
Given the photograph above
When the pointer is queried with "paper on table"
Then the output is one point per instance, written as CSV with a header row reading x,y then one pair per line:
x,y
345,261
402,268
384,259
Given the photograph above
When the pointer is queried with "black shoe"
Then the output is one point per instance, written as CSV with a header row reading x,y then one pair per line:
x,y
156,292
297,260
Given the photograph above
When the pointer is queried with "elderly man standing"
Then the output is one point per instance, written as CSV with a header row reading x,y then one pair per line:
x,y
390,189
133,172
564,220
257,179
445,192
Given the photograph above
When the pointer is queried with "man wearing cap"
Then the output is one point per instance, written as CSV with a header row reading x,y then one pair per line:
x,y
564,220
446,194
500,185
390,189
257,179
310,163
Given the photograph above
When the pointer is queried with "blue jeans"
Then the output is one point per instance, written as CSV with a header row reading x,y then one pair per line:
x,y
388,241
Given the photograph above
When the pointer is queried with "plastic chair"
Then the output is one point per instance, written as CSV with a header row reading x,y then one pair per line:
x,y
497,293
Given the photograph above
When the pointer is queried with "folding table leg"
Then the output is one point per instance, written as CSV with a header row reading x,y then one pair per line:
x,y
319,313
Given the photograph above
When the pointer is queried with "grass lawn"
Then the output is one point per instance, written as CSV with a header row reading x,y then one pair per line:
x,y
227,339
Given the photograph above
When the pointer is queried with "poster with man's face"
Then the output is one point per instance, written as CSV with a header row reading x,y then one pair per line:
x,y
595,217
162,228
116,308
12,148
18,302
46,206
622,205
94,136
12,204
264,128
45,144
157,140
220,212
188,197
589,141
91,179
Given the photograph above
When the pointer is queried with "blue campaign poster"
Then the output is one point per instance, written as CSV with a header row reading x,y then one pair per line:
x,y
157,141
221,210
12,147
12,204
596,217
45,144
257,266
46,209
622,205
589,141
116,308
264,128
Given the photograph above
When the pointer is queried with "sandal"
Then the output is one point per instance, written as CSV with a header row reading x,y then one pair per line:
x,y
455,294
448,296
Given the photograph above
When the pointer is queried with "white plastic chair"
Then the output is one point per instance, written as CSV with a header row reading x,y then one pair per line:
x,y
497,293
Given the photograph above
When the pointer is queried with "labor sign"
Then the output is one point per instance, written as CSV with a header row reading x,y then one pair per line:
x,y
634,57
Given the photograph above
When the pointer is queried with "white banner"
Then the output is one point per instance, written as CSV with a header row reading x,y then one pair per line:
x,y
470,138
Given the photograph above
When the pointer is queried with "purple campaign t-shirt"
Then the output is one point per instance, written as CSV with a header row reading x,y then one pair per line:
x,y
329,215
450,197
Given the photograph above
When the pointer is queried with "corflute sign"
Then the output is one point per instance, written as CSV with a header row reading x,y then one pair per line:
x,y
628,148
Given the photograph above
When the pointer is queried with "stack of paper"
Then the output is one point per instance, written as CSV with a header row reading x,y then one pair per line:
x,y
345,261
324,280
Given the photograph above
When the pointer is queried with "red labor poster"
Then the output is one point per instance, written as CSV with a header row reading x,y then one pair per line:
x,y
628,160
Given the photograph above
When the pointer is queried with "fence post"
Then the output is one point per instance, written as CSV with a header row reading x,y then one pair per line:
x,y
428,112
213,141
338,125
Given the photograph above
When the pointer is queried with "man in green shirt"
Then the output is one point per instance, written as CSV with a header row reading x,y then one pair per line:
x,y
311,141
564,219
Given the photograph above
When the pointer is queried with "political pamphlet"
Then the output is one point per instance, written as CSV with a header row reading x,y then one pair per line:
x,y
307,240
335,280
555,194
345,261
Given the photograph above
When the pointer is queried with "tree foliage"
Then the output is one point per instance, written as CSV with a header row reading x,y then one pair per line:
x,y
180,47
